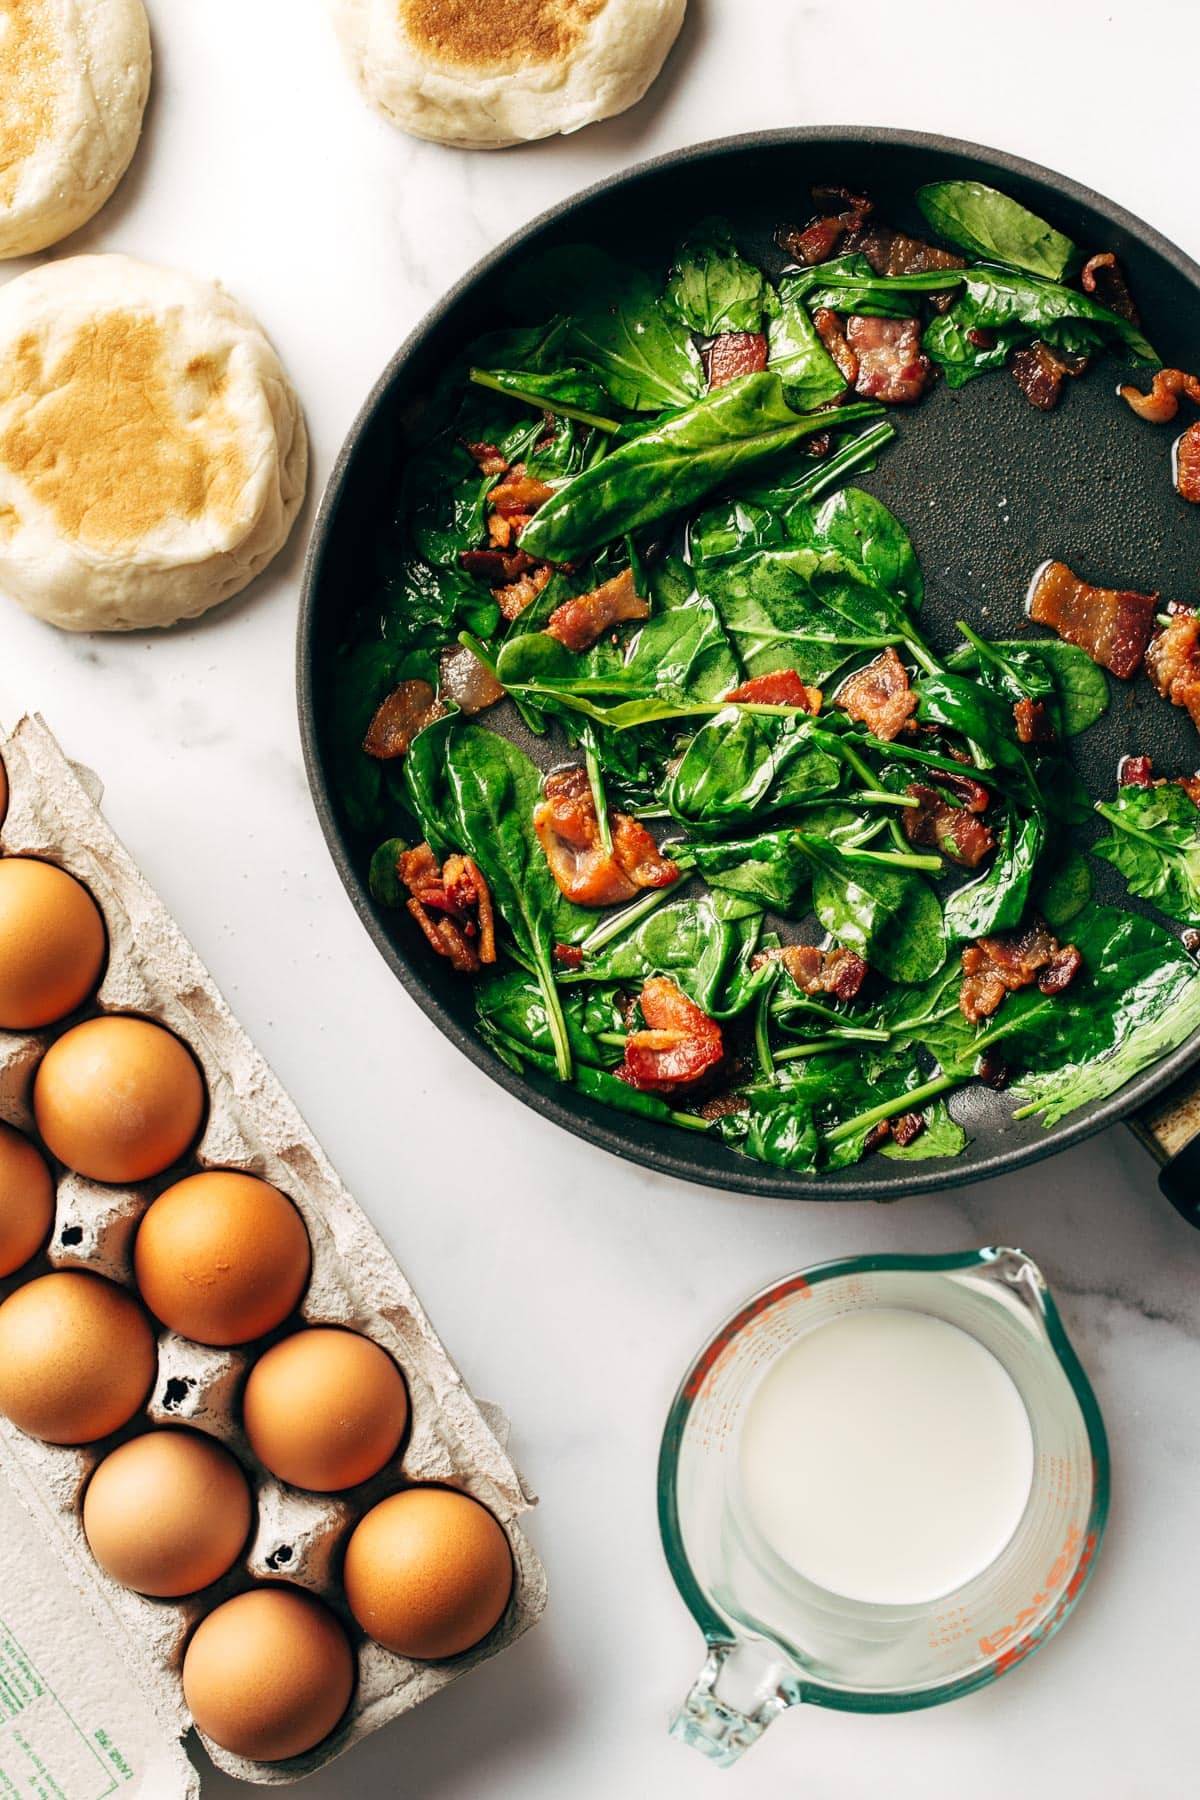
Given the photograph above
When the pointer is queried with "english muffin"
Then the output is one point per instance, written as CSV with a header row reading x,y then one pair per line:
x,y
481,75
74,76
152,449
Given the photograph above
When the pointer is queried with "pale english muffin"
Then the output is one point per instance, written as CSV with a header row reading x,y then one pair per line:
x,y
485,73
152,450
74,75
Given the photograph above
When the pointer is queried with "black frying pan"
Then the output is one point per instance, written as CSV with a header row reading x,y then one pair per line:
x,y
987,487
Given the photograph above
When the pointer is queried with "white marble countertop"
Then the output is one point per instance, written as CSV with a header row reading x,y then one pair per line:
x,y
572,1288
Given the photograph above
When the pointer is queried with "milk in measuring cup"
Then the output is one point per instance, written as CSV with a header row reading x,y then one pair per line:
x,y
887,1456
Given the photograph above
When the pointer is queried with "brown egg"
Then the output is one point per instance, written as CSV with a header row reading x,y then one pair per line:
x,y
167,1513
222,1257
77,1357
26,1200
325,1409
428,1572
52,943
118,1099
268,1674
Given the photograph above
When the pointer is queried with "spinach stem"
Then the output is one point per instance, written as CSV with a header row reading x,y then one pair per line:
x,y
895,859
591,756
689,1121
850,456
817,1047
922,657
544,404
912,1101
762,1025
614,926
555,1020
470,642
878,797
618,1039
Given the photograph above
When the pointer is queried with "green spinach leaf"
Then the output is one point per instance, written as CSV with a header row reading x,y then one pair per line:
x,y
1155,843
997,900
986,223
796,354
743,766
713,288
674,464
890,916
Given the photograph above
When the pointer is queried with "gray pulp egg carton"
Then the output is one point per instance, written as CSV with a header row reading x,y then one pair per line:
x,y
253,1126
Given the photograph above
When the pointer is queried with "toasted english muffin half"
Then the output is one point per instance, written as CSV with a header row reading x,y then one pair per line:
x,y
74,76
152,449
483,75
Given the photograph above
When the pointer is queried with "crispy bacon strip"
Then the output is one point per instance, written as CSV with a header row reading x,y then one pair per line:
x,y
519,492
1103,275
1001,964
452,905
488,459
879,696
1187,464
891,364
1160,405
933,824
732,354
892,252
829,330
463,679
838,972
783,687
578,623
1039,372
840,211
1112,625
399,717
569,832
1033,722
1173,662
515,596
1135,771
679,1046
967,792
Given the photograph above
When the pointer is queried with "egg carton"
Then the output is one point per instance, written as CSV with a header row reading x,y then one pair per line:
x,y
252,1126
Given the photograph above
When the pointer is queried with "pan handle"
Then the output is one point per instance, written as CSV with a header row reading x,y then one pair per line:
x,y
1170,1129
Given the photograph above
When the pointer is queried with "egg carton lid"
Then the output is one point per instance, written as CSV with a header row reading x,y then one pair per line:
x,y
71,1721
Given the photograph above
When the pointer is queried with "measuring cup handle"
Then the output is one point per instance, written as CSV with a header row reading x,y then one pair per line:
x,y
718,1728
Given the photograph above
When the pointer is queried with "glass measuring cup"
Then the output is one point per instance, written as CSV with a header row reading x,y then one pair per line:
x,y
774,1637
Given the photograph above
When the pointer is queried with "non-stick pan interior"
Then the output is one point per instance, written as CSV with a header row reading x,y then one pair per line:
x,y
987,487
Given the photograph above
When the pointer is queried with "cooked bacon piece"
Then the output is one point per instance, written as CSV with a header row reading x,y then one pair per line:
x,y
1033,722
999,965
829,330
398,718
892,252
1103,276
1190,939
878,1135
1173,662
934,824
495,565
568,956
1160,405
819,445
679,1045
487,457
838,972
839,211
879,696
1111,624
519,492
907,1127
515,596
891,365
993,1071
1039,372
969,793
982,337
1060,971
463,679
1135,771
1191,787
1187,464
722,1106
783,687
578,623
464,930
732,354
569,832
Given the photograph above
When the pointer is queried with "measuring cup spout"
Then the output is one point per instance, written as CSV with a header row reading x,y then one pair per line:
x,y
757,1688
